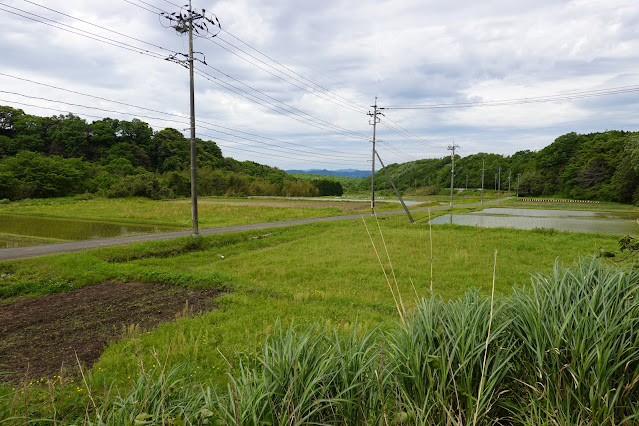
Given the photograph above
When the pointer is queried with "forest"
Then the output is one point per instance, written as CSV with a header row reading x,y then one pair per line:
x,y
598,166
63,155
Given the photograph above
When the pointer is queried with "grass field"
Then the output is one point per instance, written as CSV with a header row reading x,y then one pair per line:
x,y
326,273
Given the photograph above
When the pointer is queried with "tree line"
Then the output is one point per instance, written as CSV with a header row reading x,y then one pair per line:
x,y
597,166
64,155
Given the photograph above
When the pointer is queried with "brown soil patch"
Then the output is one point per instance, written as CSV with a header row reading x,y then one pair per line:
x,y
39,336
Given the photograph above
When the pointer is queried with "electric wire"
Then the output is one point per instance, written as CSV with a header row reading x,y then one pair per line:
x,y
290,70
166,113
521,101
403,132
305,116
90,35
397,151
278,156
316,93
182,122
283,79
213,79
160,56
99,26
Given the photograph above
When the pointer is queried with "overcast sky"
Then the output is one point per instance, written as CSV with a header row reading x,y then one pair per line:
x,y
308,109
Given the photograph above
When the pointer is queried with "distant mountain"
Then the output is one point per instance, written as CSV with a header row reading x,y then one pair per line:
x,y
341,172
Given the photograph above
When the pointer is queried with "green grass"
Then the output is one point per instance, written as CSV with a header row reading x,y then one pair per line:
x,y
212,211
559,351
325,273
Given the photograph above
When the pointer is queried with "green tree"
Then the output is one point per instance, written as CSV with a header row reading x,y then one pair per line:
x,y
40,176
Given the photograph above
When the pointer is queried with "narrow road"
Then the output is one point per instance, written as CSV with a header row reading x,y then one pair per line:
x,y
42,250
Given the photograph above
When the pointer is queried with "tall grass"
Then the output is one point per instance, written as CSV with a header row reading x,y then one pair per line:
x,y
562,351
578,333
307,376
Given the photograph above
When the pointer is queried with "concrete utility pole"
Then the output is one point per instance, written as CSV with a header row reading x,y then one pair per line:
x,y
184,23
483,168
509,175
452,171
466,181
194,218
518,181
499,184
373,122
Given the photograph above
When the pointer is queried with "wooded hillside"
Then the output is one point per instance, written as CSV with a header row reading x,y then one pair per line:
x,y
64,155
597,166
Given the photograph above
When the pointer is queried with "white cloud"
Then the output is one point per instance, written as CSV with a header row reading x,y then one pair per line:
x,y
402,51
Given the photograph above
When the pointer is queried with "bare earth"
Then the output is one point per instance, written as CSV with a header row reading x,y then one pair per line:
x,y
39,336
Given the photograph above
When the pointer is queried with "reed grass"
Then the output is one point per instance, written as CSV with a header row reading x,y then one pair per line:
x,y
561,351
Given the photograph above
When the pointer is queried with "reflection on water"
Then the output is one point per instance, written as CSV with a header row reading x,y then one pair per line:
x,y
68,229
561,220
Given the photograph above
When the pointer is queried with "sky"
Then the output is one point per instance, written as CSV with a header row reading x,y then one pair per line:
x,y
292,83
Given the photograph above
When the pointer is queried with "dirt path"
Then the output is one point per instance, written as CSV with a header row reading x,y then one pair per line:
x,y
40,336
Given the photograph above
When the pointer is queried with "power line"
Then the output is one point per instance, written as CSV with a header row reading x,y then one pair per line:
x,y
397,151
292,71
164,113
295,111
160,56
243,150
274,108
182,122
79,32
306,89
99,26
521,101
313,92
405,133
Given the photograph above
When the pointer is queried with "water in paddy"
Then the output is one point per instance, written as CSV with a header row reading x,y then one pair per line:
x,y
66,229
560,220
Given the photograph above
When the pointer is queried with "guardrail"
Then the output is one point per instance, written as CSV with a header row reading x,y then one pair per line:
x,y
542,200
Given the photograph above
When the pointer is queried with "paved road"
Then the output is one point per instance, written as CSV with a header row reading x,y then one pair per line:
x,y
33,251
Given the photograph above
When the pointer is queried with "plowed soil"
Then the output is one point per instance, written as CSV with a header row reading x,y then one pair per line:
x,y
40,336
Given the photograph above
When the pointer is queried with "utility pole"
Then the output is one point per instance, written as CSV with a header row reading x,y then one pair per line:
x,y
483,168
452,171
466,181
509,175
373,122
518,181
194,218
184,23
499,184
